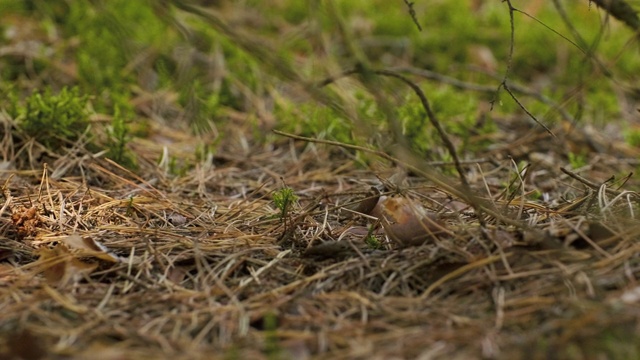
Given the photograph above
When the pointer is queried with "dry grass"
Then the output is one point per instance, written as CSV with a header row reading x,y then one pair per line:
x,y
208,269
542,263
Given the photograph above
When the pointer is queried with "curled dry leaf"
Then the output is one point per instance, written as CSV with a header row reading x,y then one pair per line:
x,y
89,247
406,221
67,261
60,267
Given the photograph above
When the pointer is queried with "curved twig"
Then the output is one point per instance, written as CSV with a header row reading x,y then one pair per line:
x,y
425,104
503,83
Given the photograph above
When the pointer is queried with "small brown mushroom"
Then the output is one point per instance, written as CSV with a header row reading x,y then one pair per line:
x,y
406,221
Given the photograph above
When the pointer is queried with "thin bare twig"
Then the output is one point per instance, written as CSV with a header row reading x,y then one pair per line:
x,y
425,103
620,10
512,34
378,153
590,184
412,12
583,45
503,84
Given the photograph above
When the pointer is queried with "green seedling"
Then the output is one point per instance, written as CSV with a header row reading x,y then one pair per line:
x,y
283,199
178,167
130,209
273,350
373,242
118,135
577,160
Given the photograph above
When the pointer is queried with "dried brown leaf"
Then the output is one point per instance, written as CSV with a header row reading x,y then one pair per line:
x,y
60,267
89,247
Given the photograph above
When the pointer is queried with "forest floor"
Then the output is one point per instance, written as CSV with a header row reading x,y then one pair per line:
x,y
270,247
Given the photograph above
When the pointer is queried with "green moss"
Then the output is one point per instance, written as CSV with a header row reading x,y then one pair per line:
x,y
297,12
454,110
55,120
310,120
632,136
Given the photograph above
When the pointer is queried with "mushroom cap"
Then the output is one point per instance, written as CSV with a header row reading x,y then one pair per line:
x,y
406,221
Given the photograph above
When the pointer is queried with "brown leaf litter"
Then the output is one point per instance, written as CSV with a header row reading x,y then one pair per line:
x,y
150,265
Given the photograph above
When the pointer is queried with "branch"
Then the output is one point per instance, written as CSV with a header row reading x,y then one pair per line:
x,y
425,104
412,12
620,10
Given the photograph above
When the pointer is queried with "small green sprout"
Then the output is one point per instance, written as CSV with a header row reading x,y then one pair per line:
x,y
373,242
178,167
118,136
130,209
283,199
577,160
273,350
